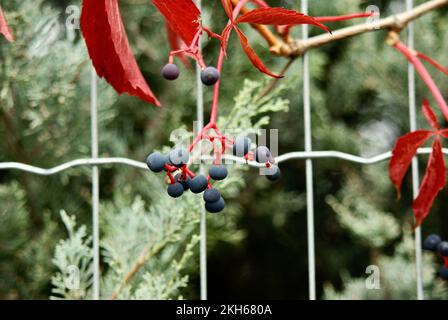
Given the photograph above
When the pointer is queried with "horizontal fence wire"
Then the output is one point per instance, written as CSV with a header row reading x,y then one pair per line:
x,y
298,155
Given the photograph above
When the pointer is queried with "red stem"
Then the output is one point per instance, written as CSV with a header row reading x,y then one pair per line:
x,y
172,180
445,259
433,62
412,57
222,54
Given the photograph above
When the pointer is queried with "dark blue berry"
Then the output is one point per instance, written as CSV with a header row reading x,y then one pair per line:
x,y
179,156
274,173
211,195
184,181
156,162
241,146
262,154
218,172
444,272
198,184
442,248
431,242
170,71
175,190
209,76
215,207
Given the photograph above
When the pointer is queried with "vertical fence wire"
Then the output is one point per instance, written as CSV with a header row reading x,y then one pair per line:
x,y
95,185
309,163
415,171
203,223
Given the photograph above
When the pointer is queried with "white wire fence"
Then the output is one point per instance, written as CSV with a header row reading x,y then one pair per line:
x,y
308,155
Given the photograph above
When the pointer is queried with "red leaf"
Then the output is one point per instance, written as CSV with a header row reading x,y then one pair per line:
x,y
4,28
433,182
402,155
256,61
182,15
109,49
176,44
278,16
429,115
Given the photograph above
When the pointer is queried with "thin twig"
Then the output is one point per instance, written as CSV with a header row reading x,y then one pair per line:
x,y
298,47
394,23
144,256
272,84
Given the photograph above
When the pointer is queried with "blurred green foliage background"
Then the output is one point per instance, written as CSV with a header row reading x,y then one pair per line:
x,y
257,248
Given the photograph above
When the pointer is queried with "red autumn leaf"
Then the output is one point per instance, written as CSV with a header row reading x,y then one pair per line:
x,y
433,182
182,16
278,16
175,44
109,49
4,28
429,115
402,155
253,57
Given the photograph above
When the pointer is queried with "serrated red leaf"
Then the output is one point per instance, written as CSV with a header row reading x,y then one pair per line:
x,y
175,44
402,155
4,28
429,115
109,49
182,15
433,181
278,17
253,57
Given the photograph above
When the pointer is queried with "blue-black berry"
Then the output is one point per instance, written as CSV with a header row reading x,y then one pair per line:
x,y
170,71
209,76
184,181
218,172
211,195
442,248
198,184
156,162
215,207
431,242
175,190
241,146
444,272
179,157
275,173
263,154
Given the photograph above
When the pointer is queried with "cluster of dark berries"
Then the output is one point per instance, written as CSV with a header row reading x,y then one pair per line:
x,y
434,243
262,154
183,179
174,164
209,76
